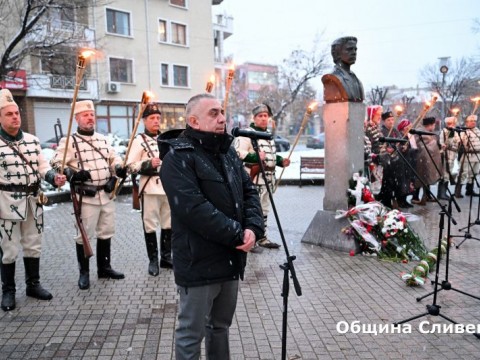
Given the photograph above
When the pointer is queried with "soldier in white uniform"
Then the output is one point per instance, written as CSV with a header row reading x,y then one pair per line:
x,y
268,155
144,160
22,166
470,140
90,166
449,142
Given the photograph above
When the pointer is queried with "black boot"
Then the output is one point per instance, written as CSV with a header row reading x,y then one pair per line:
x,y
104,268
166,249
84,266
469,190
152,252
8,286
442,190
416,195
32,279
458,190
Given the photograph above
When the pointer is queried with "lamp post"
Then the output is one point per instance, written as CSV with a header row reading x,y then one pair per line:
x,y
443,70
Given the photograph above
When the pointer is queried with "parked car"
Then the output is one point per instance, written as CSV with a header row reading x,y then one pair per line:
x,y
281,143
49,144
316,141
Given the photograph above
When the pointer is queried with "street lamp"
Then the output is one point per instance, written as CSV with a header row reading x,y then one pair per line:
x,y
443,70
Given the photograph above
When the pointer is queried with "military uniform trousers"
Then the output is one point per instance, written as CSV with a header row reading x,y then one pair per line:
x,y
26,234
155,212
451,156
98,220
467,174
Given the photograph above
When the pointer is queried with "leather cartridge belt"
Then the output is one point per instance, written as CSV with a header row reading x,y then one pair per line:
x,y
29,189
88,190
266,168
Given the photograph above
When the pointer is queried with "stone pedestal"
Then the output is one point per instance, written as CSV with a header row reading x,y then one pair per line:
x,y
344,150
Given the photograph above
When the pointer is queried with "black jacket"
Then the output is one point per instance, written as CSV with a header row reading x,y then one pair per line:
x,y
212,201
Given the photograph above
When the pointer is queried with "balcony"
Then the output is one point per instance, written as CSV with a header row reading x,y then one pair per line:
x,y
51,32
66,82
60,87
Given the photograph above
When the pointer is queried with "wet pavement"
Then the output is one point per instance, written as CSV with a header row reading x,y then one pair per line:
x,y
135,318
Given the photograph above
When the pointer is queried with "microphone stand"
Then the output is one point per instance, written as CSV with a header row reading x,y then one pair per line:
x,y
287,267
434,308
445,284
467,234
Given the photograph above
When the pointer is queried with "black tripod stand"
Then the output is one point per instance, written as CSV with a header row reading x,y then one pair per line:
x,y
468,234
287,267
446,285
434,308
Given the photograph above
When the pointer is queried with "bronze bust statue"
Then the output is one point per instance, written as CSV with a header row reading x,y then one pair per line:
x,y
342,85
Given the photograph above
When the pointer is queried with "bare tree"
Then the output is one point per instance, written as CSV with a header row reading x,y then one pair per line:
x,y
37,28
293,86
457,86
377,95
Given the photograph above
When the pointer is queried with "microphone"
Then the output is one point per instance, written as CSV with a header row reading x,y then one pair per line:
x,y
392,140
420,132
252,134
456,129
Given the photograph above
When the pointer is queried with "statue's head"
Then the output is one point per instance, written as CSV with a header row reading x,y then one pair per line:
x,y
345,49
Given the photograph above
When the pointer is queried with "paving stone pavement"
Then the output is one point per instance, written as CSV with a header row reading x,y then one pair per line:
x,y
135,318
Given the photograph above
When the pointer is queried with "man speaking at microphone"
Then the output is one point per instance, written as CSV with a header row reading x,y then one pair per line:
x,y
268,155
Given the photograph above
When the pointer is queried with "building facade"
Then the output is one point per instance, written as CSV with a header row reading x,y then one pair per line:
x,y
164,46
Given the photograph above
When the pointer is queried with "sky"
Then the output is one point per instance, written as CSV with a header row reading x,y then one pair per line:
x,y
396,39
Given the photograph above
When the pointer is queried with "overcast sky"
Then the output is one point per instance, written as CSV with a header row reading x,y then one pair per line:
x,y
395,38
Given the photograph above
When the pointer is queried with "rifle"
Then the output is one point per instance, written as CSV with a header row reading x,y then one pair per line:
x,y
77,210
135,199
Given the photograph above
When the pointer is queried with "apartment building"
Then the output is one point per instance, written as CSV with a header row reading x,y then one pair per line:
x,y
165,46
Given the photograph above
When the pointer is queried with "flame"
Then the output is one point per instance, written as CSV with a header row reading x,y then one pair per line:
x,y
311,107
476,99
85,54
435,97
212,79
455,111
398,110
427,104
147,96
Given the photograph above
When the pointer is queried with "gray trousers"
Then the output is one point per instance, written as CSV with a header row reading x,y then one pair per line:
x,y
205,312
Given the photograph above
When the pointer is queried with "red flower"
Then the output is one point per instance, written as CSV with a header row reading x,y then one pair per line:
x,y
352,252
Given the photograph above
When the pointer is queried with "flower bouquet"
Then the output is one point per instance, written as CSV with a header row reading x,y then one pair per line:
x,y
383,232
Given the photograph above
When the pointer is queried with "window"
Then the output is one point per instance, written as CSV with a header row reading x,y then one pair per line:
x,y
172,32
164,74
121,70
179,34
118,22
162,31
180,76
181,3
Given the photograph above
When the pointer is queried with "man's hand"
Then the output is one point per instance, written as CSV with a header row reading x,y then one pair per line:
x,y
60,180
286,162
78,177
262,155
155,162
121,171
248,241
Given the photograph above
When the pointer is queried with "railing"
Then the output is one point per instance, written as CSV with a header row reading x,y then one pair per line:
x,y
66,82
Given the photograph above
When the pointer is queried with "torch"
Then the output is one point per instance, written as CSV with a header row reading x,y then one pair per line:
x,y
80,69
231,73
146,97
398,110
477,101
306,117
210,84
426,108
